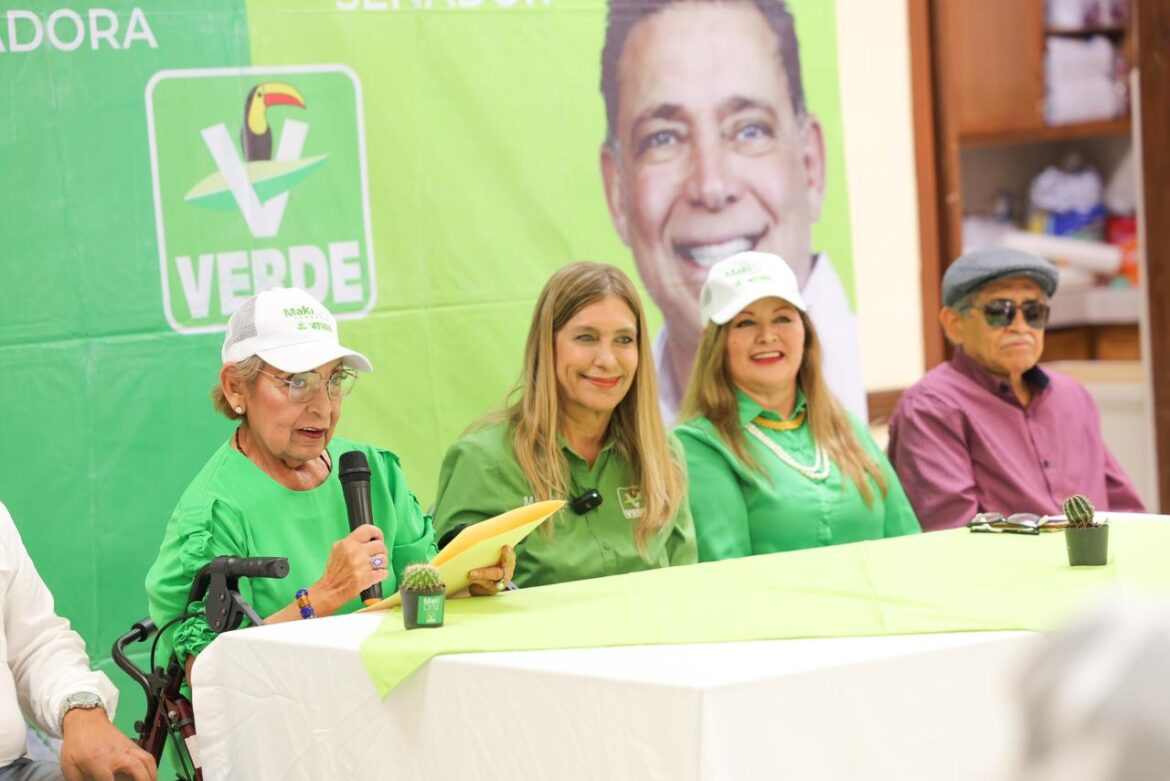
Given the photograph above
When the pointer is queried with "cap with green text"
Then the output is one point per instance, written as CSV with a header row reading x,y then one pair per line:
x,y
735,282
288,329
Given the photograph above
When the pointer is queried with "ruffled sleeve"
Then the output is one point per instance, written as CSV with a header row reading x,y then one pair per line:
x,y
201,529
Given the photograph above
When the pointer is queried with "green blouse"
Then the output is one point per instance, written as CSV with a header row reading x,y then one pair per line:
x,y
480,478
740,512
232,508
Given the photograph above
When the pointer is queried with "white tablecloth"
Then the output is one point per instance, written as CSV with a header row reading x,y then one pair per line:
x,y
292,701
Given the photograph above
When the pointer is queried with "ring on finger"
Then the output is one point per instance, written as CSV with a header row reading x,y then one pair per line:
x,y
378,561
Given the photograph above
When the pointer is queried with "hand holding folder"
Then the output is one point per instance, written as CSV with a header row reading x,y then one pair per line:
x,y
478,546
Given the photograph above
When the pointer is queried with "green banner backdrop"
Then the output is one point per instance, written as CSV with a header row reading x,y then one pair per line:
x,y
428,164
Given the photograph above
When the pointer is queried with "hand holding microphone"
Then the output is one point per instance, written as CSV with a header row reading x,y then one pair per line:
x,y
354,473
353,567
358,562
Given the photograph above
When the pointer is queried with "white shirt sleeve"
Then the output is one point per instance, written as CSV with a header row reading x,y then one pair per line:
x,y
44,658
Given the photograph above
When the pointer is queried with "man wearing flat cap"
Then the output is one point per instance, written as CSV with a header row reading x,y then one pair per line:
x,y
990,431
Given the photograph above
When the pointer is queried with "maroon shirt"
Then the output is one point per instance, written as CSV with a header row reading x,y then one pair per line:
x,y
962,443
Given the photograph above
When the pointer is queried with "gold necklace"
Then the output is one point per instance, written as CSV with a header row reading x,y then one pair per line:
x,y
780,425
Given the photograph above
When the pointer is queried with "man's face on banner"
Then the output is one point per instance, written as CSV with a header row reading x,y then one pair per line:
x,y
711,158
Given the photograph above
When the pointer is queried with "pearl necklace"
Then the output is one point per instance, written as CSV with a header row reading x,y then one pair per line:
x,y
820,466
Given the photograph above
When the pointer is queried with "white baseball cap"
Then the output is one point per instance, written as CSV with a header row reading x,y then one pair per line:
x,y
735,282
288,329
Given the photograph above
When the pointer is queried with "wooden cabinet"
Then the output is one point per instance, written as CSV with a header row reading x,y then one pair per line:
x,y
991,62
987,61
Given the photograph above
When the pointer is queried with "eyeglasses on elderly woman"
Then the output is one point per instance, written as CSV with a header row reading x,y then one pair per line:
x,y
303,386
1000,312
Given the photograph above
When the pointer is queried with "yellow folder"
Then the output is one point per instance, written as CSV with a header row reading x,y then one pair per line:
x,y
479,545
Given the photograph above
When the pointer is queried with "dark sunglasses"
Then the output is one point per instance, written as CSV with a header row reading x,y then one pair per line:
x,y
1000,312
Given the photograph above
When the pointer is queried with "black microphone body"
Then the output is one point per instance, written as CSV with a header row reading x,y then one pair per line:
x,y
354,473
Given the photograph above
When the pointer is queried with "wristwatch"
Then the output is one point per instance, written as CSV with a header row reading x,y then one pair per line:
x,y
81,701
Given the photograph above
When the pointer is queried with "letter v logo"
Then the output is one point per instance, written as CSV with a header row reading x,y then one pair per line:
x,y
263,218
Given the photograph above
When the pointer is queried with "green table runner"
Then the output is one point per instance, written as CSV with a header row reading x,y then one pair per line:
x,y
952,581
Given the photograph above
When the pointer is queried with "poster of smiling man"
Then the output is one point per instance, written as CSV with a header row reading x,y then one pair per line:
x,y
711,149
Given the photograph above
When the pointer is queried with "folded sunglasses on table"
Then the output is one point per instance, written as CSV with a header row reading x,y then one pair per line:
x,y
1017,523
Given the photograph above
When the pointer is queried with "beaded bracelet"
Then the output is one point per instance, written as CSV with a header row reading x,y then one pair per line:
x,y
304,604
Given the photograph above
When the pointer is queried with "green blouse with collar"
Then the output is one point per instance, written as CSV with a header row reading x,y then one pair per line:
x,y
480,478
740,512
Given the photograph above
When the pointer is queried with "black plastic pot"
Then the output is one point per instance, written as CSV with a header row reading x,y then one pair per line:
x,y
1088,546
423,608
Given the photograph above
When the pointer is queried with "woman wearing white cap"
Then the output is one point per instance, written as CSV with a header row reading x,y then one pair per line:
x,y
267,491
775,463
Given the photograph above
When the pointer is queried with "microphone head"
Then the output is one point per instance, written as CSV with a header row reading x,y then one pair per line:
x,y
353,467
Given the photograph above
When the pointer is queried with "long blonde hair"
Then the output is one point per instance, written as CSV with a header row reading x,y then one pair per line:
x,y
710,394
636,424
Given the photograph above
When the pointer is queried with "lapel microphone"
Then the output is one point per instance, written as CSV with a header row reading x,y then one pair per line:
x,y
590,500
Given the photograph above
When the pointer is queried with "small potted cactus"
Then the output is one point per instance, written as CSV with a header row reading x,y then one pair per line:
x,y
1087,537
423,595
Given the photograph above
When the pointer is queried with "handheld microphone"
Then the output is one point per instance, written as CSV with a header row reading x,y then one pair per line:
x,y
354,474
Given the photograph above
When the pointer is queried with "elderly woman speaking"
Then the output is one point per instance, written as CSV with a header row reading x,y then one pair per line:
x,y
775,463
267,491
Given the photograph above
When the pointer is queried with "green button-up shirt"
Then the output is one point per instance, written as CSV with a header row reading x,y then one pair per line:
x,y
740,512
480,479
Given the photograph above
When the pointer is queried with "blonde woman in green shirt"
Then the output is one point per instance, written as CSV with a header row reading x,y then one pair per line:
x,y
775,463
585,418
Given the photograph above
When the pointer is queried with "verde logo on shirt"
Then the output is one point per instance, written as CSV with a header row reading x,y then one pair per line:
x,y
259,181
631,502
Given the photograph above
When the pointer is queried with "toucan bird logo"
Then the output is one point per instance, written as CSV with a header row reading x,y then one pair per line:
x,y
253,179
256,132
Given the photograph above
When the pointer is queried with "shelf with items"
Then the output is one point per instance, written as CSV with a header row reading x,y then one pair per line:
x,y
987,172
1006,73
1085,79
1046,133
994,65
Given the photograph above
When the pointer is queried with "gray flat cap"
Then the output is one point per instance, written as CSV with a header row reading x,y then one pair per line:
x,y
976,268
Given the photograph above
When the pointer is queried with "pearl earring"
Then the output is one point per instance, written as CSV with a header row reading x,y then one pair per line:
x,y
239,410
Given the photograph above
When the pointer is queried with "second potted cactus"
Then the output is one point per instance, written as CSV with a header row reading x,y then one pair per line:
x,y
1086,537
423,596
